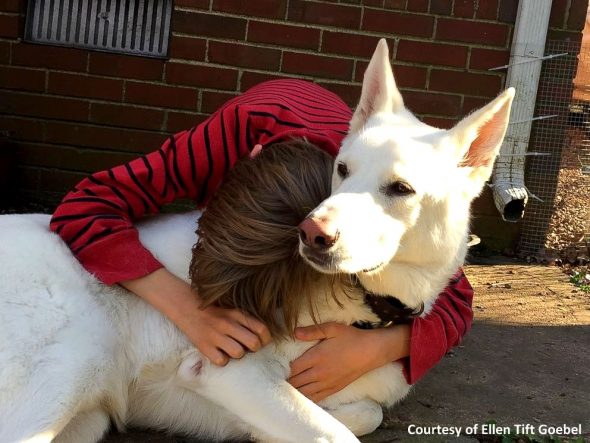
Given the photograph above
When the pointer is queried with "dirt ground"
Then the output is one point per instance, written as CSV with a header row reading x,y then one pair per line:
x,y
525,361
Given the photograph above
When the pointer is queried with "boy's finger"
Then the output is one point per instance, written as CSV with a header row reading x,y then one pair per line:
x,y
303,363
303,378
311,333
246,337
254,325
310,390
216,356
255,151
232,348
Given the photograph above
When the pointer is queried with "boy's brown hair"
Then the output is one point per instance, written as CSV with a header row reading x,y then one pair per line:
x,y
247,253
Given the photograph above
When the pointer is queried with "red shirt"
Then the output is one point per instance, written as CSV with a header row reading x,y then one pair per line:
x,y
96,218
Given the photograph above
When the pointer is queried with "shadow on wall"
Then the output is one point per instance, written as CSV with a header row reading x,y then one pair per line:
x,y
7,171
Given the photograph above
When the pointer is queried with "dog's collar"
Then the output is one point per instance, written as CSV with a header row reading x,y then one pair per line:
x,y
389,309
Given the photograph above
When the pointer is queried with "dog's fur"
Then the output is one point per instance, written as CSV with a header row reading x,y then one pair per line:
x,y
75,354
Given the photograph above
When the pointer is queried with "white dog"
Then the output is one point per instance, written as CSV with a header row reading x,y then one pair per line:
x,y
76,355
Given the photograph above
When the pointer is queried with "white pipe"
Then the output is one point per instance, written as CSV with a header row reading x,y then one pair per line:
x,y
528,45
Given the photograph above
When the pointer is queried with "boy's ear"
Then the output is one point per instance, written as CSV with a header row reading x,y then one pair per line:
x,y
478,137
379,93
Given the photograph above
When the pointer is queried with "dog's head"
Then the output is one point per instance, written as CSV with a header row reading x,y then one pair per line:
x,y
397,179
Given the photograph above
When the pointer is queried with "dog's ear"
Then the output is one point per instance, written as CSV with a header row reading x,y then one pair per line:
x,y
478,137
379,93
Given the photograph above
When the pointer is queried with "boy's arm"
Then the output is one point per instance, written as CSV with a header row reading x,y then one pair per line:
x,y
96,221
441,329
96,218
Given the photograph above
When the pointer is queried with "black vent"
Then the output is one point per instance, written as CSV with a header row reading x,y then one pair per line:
x,y
139,27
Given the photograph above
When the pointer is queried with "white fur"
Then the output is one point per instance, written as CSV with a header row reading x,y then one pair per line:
x,y
75,354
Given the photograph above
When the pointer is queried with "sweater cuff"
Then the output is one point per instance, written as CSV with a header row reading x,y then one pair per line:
x,y
118,257
427,348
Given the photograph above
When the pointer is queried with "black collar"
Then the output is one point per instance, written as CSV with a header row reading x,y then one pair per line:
x,y
389,309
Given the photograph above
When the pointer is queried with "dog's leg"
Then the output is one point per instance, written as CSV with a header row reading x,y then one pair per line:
x,y
255,391
361,417
85,427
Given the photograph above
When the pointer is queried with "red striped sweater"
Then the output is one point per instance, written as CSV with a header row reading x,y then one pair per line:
x,y
96,218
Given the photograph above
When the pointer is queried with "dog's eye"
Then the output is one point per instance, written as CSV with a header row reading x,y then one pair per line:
x,y
342,170
398,188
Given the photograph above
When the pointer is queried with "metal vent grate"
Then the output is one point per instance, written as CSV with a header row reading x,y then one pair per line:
x,y
139,27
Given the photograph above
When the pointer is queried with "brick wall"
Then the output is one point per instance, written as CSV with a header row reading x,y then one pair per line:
x,y
73,111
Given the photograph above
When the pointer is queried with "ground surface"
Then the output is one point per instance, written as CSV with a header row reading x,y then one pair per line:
x,y
526,360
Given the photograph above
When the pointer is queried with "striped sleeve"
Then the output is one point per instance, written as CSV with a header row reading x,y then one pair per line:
x,y
96,218
442,329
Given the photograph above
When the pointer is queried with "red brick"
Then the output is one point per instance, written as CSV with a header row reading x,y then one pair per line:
x,y
397,23
488,58
58,181
441,7
161,95
44,56
100,137
9,26
576,18
470,104
350,94
126,116
126,66
432,103
4,52
487,9
250,79
77,85
432,53
464,8
508,10
209,25
22,128
564,36
12,5
440,122
244,56
558,11
472,32
349,44
284,35
202,76
213,100
199,4
24,79
405,76
258,8
179,121
188,48
317,65
70,158
465,83
341,16
395,4
43,106
373,3
410,76
417,5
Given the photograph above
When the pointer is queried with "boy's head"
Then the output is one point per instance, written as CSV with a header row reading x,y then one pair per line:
x,y
247,253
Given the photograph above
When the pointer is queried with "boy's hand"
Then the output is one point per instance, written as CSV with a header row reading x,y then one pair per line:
x,y
343,354
221,334
218,333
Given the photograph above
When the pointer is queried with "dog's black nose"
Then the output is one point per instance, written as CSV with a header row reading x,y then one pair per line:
x,y
317,234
